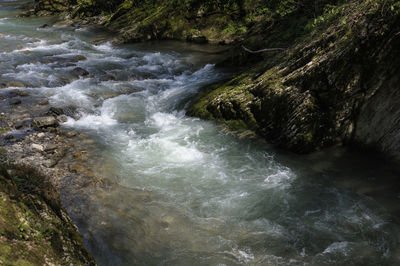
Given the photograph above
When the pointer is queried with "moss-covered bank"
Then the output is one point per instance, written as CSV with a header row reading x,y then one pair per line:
x,y
34,228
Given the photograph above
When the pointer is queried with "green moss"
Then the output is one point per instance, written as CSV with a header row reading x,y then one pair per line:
x,y
308,137
5,250
236,124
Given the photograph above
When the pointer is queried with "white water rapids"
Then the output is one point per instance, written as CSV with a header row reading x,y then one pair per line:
x,y
190,194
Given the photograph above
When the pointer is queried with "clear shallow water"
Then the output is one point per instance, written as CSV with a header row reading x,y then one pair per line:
x,y
188,193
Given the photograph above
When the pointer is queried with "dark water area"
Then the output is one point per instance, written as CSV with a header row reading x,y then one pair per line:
x,y
187,192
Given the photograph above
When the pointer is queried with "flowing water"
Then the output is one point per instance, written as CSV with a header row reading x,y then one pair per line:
x,y
188,193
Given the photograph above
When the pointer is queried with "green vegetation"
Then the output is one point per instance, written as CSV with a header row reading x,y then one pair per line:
x,y
218,21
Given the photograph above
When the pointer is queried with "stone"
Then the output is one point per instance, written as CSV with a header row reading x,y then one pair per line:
x,y
15,84
44,102
66,111
37,147
44,122
62,118
79,58
80,71
56,111
71,134
50,147
23,93
50,163
107,77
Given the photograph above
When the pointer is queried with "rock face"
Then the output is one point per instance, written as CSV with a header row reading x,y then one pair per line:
x,y
339,85
50,7
378,123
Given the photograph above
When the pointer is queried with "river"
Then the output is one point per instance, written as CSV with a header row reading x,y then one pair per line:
x,y
190,193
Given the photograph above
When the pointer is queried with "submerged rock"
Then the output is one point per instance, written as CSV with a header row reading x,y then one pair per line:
x,y
24,93
44,102
15,101
80,71
15,84
44,26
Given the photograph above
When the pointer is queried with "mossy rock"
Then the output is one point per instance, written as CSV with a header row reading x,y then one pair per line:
x,y
34,228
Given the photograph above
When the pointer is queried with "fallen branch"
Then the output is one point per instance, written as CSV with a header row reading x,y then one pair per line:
x,y
263,50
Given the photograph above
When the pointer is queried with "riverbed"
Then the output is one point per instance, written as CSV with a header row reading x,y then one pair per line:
x,y
189,191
